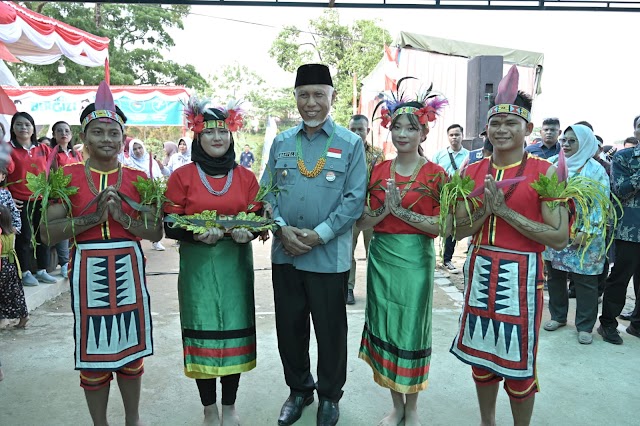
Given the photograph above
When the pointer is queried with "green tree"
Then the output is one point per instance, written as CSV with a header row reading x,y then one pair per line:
x,y
240,82
138,34
350,50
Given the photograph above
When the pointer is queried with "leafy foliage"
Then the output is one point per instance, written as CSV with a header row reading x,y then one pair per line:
x,y
152,193
456,190
48,187
354,49
588,196
138,34
199,223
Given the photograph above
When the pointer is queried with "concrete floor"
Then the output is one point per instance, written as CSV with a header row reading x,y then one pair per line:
x,y
581,385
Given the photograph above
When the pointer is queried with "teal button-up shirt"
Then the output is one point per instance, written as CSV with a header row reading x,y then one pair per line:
x,y
442,158
329,204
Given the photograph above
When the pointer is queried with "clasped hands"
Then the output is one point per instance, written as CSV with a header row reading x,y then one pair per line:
x,y
494,197
110,203
297,241
392,199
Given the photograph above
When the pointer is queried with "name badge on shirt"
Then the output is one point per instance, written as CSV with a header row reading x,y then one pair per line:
x,y
334,153
287,154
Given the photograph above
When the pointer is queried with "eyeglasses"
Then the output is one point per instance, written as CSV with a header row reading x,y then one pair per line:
x,y
567,141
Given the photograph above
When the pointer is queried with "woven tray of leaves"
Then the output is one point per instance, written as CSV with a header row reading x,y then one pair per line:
x,y
48,186
199,223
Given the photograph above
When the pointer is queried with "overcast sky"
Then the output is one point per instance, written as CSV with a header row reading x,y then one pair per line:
x,y
590,65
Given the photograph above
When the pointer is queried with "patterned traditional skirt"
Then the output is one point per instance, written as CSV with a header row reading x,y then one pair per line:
x,y
217,309
501,316
110,305
12,301
396,341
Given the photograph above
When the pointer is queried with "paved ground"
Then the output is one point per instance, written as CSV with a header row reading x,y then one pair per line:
x,y
581,385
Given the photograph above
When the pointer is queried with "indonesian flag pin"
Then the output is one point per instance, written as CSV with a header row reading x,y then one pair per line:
x,y
331,176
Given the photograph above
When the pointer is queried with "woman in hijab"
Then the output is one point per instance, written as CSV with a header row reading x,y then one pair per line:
x,y
140,159
579,145
170,148
215,283
182,157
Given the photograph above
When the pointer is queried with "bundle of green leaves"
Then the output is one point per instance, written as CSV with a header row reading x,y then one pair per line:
x,y
48,187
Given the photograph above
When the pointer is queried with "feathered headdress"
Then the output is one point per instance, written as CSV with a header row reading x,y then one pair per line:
x,y
199,117
506,97
426,105
105,107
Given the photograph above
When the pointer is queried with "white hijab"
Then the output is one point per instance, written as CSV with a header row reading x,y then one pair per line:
x,y
587,148
144,162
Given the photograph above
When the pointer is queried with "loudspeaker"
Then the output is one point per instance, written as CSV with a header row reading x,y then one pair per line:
x,y
483,76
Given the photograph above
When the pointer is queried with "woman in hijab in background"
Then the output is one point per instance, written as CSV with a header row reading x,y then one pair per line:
x,y
170,148
215,283
182,157
139,158
579,145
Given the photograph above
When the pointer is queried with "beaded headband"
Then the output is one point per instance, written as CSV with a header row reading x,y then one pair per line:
x,y
215,124
509,109
102,113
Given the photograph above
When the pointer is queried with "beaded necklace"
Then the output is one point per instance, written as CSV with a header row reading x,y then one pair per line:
x,y
92,186
319,164
392,174
519,173
205,182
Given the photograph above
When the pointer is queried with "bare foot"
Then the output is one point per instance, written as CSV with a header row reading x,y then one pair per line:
x,y
4,324
211,416
22,323
229,416
411,418
393,419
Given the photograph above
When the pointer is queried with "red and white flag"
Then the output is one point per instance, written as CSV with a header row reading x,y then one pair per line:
x,y
391,70
7,109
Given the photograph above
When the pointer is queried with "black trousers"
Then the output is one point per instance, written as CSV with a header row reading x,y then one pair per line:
x,y
586,288
207,389
24,249
449,248
615,291
298,294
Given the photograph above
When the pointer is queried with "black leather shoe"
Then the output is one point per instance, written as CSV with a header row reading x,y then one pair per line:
x,y
610,334
292,409
351,300
328,413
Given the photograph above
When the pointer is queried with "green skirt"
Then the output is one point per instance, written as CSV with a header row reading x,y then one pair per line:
x,y
217,309
396,341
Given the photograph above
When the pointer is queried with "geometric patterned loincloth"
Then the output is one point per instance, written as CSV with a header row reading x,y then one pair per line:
x,y
110,304
502,311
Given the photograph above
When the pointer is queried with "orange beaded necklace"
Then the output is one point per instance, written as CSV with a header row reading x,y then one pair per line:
x,y
319,164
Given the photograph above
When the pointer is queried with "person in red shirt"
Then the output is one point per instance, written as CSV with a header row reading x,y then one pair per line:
x,y
402,259
28,156
215,285
62,148
110,301
498,334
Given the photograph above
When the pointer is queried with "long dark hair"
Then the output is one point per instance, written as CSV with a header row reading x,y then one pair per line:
x,y
34,139
6,221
